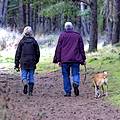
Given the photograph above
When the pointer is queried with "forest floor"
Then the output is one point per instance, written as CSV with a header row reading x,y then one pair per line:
x,y
48,101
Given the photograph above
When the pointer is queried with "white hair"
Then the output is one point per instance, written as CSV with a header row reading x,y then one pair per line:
x,y
27,30
68,25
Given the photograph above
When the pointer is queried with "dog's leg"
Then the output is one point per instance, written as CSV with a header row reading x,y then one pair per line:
x,y
103,90
106,90
97,91
106,84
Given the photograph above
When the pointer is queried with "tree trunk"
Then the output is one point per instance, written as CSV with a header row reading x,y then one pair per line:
x,y
119,19
3,12
83,21
29,14
54,23
109,20
1,9
21,16
93,24
93,27
62,22
24,14
43,24
115,35
35,19
49,25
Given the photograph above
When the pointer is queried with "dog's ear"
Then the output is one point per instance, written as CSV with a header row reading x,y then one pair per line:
x,y
105,73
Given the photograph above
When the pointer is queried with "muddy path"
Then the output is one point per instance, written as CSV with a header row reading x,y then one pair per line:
x,y
48,102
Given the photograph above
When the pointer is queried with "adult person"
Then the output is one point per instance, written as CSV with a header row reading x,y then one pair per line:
x,y
69,54
26,57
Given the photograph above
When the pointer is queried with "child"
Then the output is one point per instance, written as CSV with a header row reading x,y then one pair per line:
x,y
27,56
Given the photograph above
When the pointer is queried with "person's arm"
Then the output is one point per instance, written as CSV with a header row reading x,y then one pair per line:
x,y
18,55
37,51
81,44
57,56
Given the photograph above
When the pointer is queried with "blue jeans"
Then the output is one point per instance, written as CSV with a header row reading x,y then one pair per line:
x,y
27,75
75,70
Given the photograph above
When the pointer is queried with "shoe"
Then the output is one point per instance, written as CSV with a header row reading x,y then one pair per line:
x,y
76,90
25,90
67,95
31,85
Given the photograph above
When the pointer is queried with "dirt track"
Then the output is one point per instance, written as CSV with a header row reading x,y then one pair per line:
x,y
48,102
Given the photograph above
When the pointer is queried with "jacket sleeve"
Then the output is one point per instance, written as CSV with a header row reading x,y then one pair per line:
x,y
37,51
57,56
18,55
82,52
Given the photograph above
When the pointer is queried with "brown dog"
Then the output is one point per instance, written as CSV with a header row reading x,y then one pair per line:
x,y
99,80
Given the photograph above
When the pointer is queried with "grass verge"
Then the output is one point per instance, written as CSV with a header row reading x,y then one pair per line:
x,y
108,59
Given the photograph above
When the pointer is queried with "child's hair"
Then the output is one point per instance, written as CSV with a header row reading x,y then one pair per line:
x,y
27,31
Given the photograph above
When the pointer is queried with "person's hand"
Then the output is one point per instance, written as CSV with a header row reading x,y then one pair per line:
x,y
59,63
84,63
17,69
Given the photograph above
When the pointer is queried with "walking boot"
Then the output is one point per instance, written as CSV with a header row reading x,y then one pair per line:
x,y
67,95
25,89
76,90
31,85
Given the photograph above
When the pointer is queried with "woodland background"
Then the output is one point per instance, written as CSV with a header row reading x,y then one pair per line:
x,y
98,21
92,18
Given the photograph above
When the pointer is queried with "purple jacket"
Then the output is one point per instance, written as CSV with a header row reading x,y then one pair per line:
x,y
70,48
